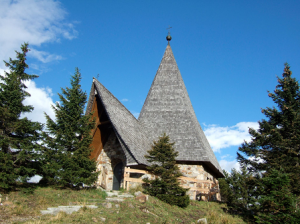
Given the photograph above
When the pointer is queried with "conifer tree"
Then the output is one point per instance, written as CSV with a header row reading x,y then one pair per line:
x,y
19,151
239,191
276,144
276,202
67,141
165,186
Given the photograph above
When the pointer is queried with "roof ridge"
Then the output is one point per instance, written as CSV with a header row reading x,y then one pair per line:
x,y
130,131
115,98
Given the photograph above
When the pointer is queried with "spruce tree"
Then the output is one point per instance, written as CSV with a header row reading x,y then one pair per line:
x,y
239,191
276,202
276,144
165,186
67,141
19,150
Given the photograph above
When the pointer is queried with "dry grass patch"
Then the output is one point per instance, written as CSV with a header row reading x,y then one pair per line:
x,y
25,206
26,209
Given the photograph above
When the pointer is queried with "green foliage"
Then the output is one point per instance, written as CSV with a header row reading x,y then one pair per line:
x,y
273,156
240,192
165,186
67,141
277,203
225,189
275,144
19,151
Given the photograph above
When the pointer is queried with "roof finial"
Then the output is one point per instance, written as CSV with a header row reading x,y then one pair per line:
x,y
169,35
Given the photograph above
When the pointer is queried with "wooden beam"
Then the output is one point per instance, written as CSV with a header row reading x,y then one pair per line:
x,y
133,180
195,180
128,170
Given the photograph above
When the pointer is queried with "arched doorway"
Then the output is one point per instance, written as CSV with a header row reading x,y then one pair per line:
x,y
118,176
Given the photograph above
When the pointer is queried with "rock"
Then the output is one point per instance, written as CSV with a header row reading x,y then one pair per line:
x,y
203,220
94,219
66,209
142,198
102,219
145,210
125,196
107,205
138,193
148,223
130,205
115,199
69,209
91,206
111,194
117,205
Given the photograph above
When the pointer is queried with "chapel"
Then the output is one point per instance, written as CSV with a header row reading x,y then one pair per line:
x,y
120,141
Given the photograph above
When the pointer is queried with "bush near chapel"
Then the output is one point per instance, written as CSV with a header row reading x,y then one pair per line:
x,y
165,186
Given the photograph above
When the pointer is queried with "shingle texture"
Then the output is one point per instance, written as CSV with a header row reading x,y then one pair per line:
x,y
168,109
130,133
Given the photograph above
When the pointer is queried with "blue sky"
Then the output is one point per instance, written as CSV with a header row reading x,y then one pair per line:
x,y
228,53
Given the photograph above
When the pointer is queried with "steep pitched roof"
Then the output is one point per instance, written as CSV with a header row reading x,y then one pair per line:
x,y
168,109
130,133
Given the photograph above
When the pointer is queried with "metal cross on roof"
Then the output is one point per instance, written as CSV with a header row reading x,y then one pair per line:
x,y
169,35
169,29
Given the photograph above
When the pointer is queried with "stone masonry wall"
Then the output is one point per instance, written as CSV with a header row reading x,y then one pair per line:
x,y
192,171
197,172
110,156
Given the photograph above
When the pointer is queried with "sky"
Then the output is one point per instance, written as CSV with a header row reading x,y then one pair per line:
x,y
229,54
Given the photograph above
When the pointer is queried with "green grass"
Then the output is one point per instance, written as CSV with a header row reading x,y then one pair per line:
x,y
26,209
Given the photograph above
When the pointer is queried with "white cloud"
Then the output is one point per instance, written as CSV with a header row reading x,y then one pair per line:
x,y
224,137
224,156
228,165
124,100
33,21
2,71
41,100
36,22
43,56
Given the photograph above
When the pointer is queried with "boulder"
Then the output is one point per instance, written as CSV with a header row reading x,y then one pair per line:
x,y
142,198
107,205
203,220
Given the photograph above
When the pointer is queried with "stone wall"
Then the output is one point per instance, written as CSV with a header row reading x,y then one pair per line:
x,y
110,156
198,172
191,171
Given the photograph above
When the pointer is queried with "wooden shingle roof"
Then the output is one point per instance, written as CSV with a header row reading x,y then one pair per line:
x,y
129,132
168,109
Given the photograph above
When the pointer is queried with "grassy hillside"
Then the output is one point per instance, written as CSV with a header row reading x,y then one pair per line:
x,y
24,208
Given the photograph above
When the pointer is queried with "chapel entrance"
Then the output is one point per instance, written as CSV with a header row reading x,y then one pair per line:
x,y
118,176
